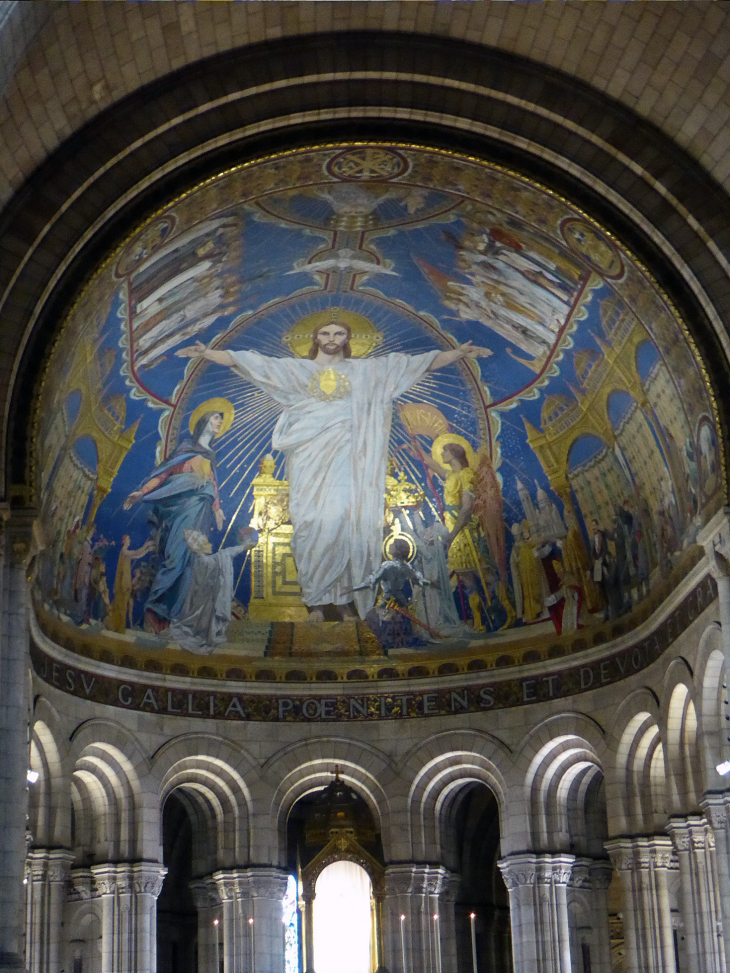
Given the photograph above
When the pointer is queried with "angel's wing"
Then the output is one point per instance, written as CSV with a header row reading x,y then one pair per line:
x,y
489,511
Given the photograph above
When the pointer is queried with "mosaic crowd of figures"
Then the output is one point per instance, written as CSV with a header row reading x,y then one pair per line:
x,y
367,389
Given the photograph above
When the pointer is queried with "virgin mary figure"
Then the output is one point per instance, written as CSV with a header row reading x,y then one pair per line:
x,y
183,491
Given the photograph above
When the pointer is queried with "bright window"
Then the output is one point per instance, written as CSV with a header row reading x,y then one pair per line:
x,y
291,927
342,920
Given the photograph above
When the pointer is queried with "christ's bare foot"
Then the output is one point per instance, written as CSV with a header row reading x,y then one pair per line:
x,y
316,615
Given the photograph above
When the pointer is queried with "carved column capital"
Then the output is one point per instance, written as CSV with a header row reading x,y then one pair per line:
x,y
147,878
204,892
716,807
449,887
641,852
601,871
18,526
580,874
230,883
715,538
398,879
36,864
127,878
416,878
59,865
266,882
81,884
519,870
110,878
691,833
436,880
528,868
424,879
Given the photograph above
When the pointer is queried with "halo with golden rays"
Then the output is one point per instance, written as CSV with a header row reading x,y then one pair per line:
x,y
224,406
364,335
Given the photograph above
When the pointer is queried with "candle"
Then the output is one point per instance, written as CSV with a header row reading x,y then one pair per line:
x,y
253,948
472,917
403,941
437,941
217,957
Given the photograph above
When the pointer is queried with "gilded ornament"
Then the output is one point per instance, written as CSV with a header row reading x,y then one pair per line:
x,y
329,385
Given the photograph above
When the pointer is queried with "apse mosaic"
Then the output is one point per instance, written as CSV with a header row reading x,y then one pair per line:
x,y
366,401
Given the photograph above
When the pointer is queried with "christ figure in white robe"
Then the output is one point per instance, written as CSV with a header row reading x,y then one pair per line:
x,y
334,430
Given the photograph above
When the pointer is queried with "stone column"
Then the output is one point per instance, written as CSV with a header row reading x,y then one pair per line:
x,y
47,873
226,883
266,888
128,895
644,865
447,892
415,892
717,812
253,928
14,662
537,886
694,844
589,882
205,897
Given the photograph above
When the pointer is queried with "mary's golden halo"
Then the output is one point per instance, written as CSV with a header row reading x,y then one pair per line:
x,y
223,406
364,335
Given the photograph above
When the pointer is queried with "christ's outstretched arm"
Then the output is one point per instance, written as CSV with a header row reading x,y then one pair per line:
x,y
467,350
199,350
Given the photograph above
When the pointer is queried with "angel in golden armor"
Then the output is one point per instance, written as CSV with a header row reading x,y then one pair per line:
x,y
472,506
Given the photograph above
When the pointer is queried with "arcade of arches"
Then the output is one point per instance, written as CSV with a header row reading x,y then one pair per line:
x,y
377,353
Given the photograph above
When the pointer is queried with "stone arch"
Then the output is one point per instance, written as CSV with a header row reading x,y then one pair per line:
x,y
563,786
636,786
680,726
212,777
110,802
308,766
710,694
84,920
49,799
437,771
440,85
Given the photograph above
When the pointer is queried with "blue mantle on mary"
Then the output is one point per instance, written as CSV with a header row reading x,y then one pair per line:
x,y
183,502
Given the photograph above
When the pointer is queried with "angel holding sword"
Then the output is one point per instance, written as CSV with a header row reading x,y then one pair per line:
x,y
472,500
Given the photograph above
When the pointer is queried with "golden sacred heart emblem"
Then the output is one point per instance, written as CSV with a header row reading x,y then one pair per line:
x,y
328,381
329,384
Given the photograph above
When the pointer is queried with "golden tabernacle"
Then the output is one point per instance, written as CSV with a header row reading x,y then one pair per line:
x,y
275,591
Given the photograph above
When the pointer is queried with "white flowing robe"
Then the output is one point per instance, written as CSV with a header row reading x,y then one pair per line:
x,y
336,449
